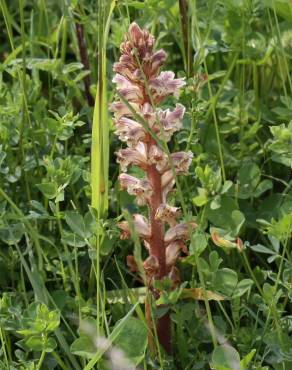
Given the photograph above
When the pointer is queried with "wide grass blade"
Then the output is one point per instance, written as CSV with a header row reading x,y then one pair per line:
x,y
100,126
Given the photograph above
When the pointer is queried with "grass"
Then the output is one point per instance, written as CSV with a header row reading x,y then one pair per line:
x,y
60,201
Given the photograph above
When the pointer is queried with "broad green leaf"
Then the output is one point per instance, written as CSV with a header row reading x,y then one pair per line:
x,y
242,287
199,243
201,198
227,217
225,357
83,347
225,281
112,337
12,234
132,339
262,187
261,249
76,222
49,189
37,343
248,178
282,8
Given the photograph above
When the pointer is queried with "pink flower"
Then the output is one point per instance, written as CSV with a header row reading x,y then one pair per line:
x,y
140,188
158,58
129,131
120,109
165,84
167,183
140,226
182,161
167,213
180,231
151,265
139,68
158,157
172,252
138,39
130,156
171,121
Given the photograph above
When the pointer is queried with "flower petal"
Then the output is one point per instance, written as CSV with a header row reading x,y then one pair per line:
x,y
151,265
171,121
174,276
140,188
133,156
140,225
129,131
165,84
121,109
167,183
179,232
158,157
157,59
172,252
167,213
182,161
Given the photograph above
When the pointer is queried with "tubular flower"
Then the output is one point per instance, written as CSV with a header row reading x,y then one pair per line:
x,y
140,188
136,156
141,86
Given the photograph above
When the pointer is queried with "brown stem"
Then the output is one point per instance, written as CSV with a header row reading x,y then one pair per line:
x,y
85,62
157,249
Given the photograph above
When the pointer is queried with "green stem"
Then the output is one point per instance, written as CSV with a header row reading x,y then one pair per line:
x,y
41,360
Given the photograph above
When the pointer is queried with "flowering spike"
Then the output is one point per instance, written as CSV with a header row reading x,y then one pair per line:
x,y
138,75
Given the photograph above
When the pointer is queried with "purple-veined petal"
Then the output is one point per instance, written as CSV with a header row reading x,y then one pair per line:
x,y
165,84
140,225
140,188
129,131
167,213
133,156
180,231
158,58
171,121
172,252
158,157
121,109
151,265
167,183
182,161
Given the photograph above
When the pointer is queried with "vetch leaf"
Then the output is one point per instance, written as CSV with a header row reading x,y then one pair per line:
x,y
132,339
225,357
242,287
49,189
226,281
76,223
83,347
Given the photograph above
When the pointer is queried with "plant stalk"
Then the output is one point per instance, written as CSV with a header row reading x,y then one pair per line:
x,y
157,249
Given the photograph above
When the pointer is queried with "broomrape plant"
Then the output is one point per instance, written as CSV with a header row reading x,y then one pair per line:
x,y
146,128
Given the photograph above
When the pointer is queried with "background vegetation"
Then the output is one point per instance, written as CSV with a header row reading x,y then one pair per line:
x,y
64,283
